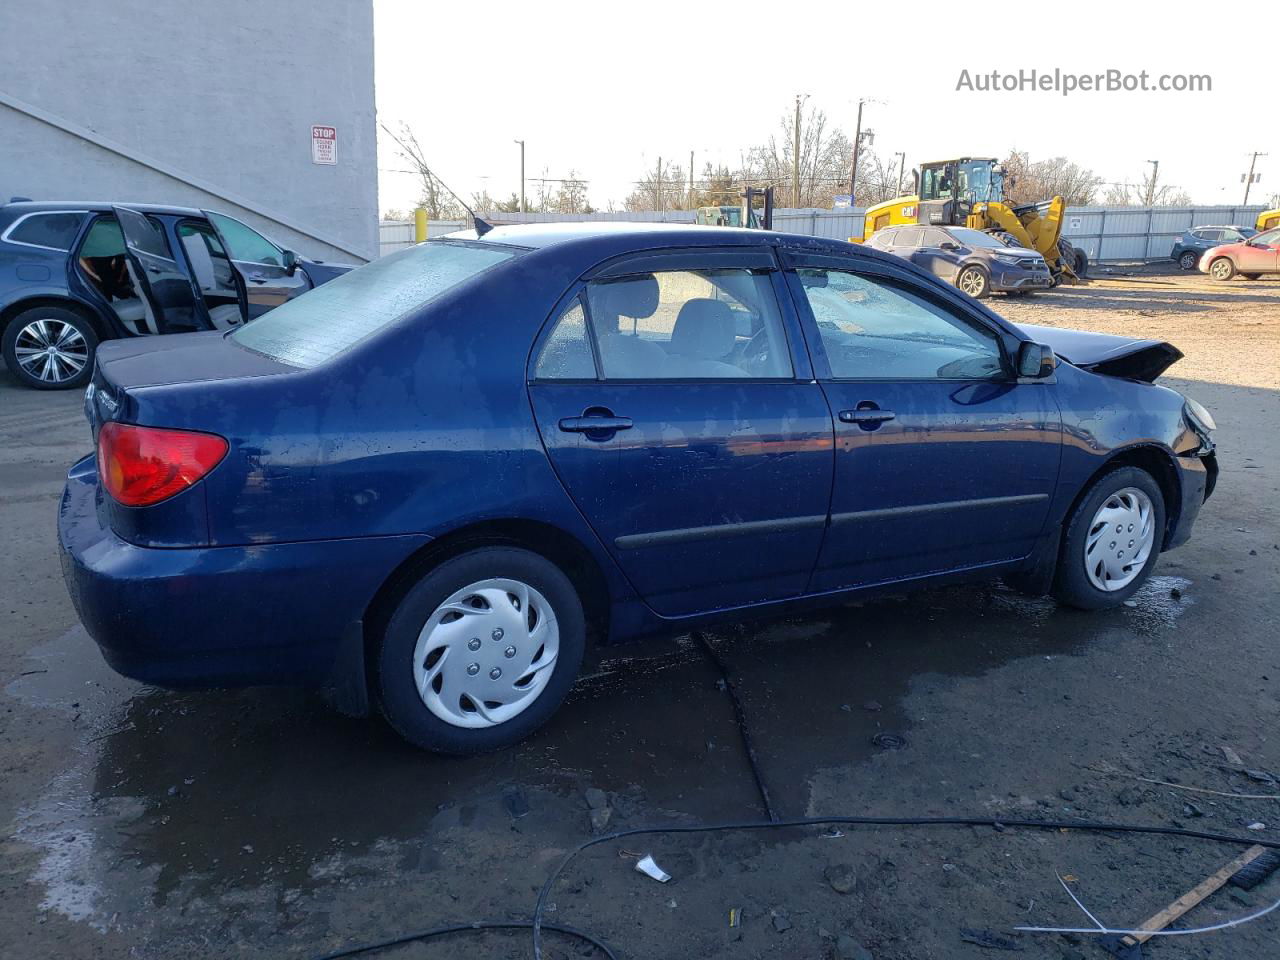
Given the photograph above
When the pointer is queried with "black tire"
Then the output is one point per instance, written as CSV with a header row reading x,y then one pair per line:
x,y
1071,583
22,332
978,278
1222,269
1082,264
398,694
1187,260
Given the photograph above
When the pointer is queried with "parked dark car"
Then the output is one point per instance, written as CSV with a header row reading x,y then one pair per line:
x,y
75,274
1258,256
1194,243
424,485
976,262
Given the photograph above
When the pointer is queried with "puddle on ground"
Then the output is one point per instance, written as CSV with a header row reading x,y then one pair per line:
x,y
197,797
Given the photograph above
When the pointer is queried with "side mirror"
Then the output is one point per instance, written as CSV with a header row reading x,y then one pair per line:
x,y
1036,361
290,261
948,245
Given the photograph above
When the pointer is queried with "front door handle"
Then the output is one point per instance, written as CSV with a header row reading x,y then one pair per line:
x,y
868,415
591,424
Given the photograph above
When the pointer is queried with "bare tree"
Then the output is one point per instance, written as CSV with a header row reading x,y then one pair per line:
x,y
436,198
665,186
1149,193
1031,182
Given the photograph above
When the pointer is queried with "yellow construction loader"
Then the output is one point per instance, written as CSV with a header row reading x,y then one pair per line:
x,y
969,192
1268,219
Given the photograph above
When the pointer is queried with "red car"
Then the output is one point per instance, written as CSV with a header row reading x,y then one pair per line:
x,y
1251,258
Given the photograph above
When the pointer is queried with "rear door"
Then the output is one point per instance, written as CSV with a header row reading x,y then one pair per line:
x,y
157,275
268,282
679,410
930,255
944,460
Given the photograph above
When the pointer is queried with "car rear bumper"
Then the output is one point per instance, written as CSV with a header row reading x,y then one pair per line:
x,y
217,616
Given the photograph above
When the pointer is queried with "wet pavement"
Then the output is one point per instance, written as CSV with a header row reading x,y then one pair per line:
x,y
259,823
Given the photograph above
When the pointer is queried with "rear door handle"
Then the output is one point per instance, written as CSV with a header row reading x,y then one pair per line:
x,y
592,424
865,416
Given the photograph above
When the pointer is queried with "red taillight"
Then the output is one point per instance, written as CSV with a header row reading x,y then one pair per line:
x,y
140,466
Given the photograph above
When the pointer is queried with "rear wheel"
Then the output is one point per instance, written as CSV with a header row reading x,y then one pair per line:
x,y
974,281
1222,269
1187,261
50,348
1111,540
1081,264
481,651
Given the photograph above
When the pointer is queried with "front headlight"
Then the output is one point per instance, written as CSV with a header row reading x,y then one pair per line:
x,y
1006,257
1198,416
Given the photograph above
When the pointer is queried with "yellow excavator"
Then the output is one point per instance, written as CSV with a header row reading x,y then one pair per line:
x,y
1268,219
969,192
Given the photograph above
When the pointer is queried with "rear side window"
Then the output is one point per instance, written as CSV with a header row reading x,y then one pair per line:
x,y
321,324
55,230
908,237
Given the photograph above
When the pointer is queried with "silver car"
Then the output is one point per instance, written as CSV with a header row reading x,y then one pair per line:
x,y
975,262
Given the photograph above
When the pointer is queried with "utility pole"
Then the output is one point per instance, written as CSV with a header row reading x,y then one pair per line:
x,y
902,169
690,179
523,207
657,190
1248,180
1151,185
853,172
795,157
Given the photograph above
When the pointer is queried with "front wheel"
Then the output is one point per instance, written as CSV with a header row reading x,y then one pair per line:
x,y
1222,269
481,651
974,281
1111,541
50,348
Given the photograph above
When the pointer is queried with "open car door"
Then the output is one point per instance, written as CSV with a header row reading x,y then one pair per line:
x,y
158,276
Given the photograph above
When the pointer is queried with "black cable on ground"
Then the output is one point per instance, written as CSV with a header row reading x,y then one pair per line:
x,y
479,925
741,717
993,822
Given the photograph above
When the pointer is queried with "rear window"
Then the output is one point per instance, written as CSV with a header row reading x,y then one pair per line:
x,y
54,230
324,322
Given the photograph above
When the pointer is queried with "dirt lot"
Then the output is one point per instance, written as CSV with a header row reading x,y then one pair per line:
x,y
145,823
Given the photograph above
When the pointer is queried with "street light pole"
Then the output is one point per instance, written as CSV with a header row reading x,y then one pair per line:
x,y
1151,187
857,142
902,169
523,207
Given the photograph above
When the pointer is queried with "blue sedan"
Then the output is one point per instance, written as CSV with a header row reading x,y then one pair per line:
x,y
426,485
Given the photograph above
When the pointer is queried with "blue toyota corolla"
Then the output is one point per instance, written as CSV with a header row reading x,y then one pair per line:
x,y
424,485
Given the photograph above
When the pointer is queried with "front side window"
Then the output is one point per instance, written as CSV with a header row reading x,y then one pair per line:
x,y
55,230
308,330
875,329
246,244
688,325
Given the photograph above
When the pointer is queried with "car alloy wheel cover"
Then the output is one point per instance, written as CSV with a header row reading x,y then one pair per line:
x,y
971,281
1120,539
1220,269
1187,261
486,653
51,350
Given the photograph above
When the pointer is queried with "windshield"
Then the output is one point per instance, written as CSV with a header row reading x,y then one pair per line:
x,y
976,238
975,182
324,322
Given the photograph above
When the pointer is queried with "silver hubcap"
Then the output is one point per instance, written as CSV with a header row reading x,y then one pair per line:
x,y
486,653
971,282
1120,539
1220,270
51,350
1188,261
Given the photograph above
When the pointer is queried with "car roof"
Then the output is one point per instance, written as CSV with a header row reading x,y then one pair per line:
x,y
1219,226
18,207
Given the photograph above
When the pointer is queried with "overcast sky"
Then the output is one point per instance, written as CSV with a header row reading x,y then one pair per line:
x,y
604,89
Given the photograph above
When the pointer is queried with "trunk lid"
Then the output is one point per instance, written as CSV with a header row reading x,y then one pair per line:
x,y
1106,353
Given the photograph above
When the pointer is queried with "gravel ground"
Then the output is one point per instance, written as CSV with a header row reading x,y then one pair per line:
x,y
253,824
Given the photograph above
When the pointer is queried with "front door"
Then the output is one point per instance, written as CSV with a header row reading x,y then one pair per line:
x,y
688,429
1261,254
157,275
944,461
268,282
